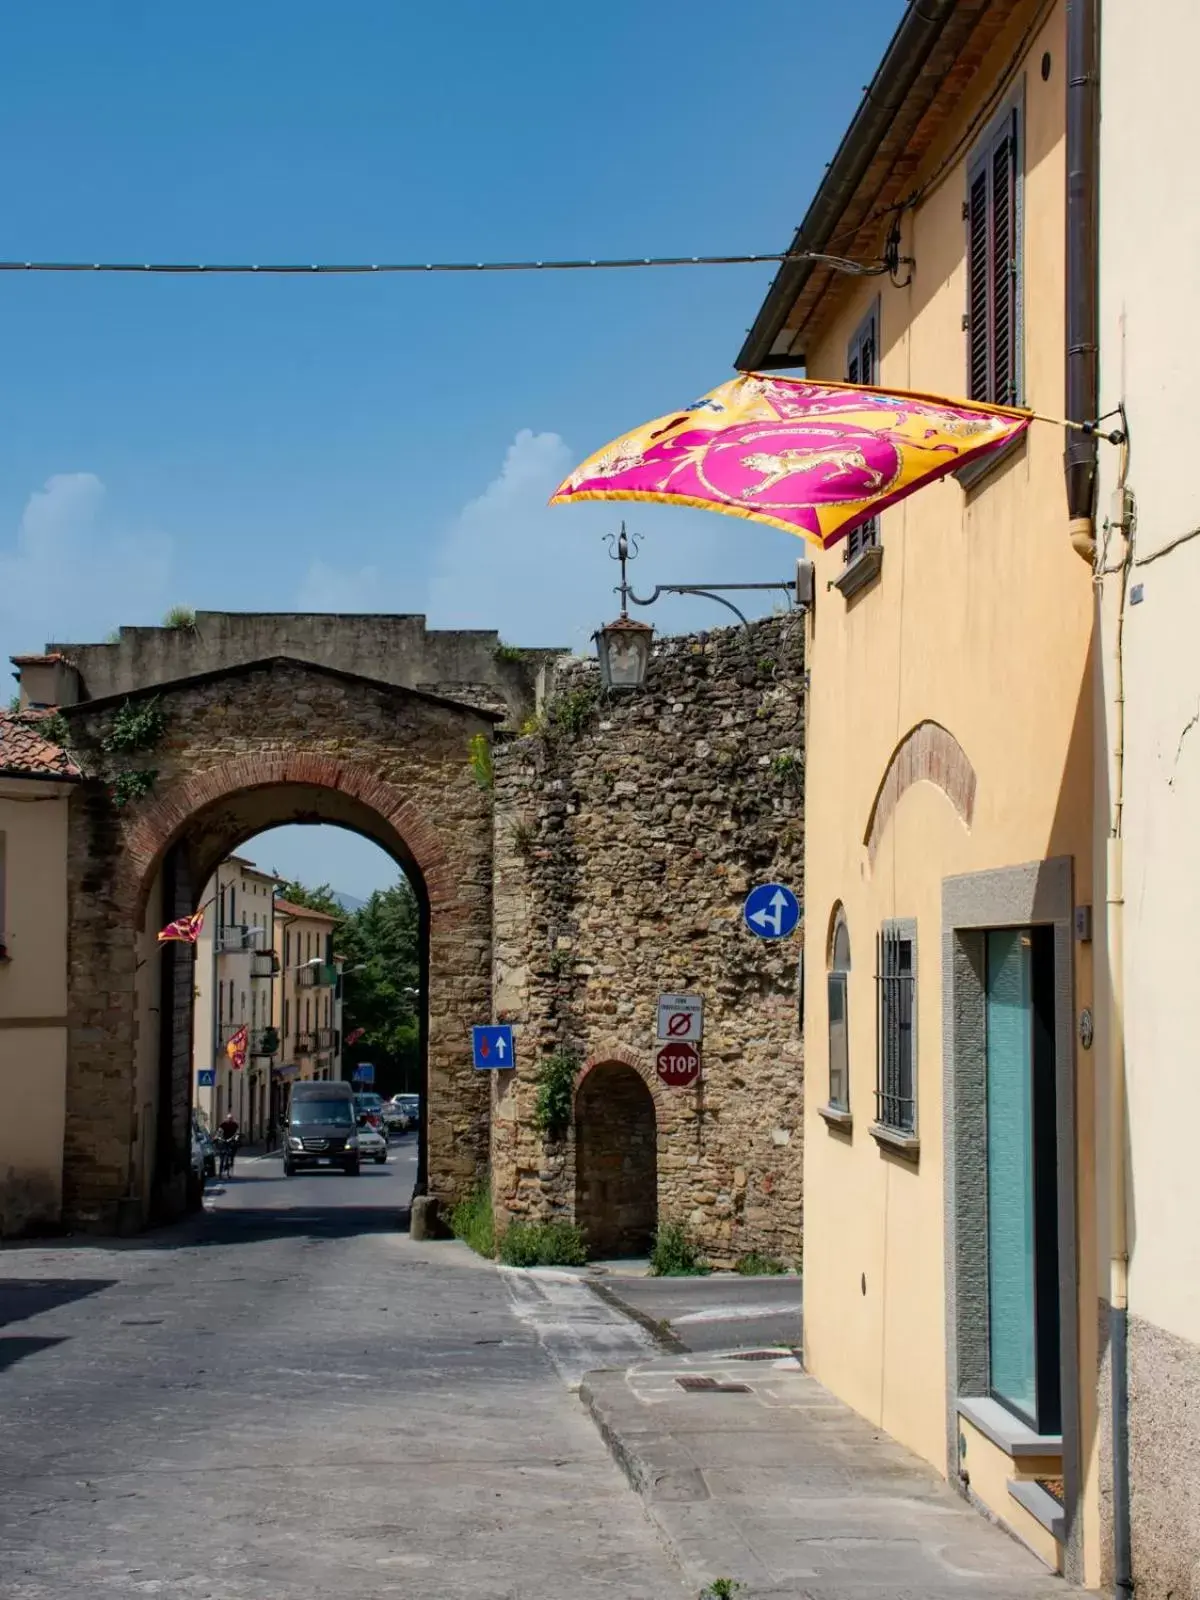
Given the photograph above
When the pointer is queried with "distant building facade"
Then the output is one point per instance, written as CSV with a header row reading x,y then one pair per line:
x,y
236,973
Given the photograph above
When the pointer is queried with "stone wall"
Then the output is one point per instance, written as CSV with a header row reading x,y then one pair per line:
x,y
245,750
627,836
460,663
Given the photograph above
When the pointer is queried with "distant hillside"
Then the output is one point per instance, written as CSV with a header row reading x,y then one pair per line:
x,y
348,902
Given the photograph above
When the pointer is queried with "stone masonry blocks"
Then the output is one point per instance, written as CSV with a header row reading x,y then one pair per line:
x,y
264,744
625,845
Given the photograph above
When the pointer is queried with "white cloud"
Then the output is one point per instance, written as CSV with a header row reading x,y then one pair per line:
x,y
540,574
327,588
69,577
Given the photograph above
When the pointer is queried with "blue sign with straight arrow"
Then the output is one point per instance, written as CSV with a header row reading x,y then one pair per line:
x,y
771,911
493,1047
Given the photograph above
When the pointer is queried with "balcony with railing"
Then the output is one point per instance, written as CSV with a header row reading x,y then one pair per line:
x,y
264,1042
306,1044
264,964
326,1038
237,938
321,975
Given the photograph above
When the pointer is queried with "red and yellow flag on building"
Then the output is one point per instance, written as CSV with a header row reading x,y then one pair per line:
x,y
184,930
236,1047
816,459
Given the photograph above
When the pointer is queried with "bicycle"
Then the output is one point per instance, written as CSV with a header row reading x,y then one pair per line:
x,y
226,1151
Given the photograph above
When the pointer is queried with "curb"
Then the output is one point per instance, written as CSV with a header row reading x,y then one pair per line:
x,y
705,1541
655,1464
660,1331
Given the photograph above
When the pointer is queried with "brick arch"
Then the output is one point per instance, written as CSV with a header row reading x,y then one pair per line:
x,y
611,1053
162,821
928,753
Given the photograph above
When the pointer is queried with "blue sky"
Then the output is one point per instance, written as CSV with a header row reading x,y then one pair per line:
x,y
345,444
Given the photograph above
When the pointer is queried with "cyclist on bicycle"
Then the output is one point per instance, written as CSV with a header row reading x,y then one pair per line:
x,y
228,1128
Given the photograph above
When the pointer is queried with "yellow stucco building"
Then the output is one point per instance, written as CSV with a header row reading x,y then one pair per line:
x,y
950,1266
36,778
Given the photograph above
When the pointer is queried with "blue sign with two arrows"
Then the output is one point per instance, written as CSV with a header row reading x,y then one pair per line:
x,y
493,1047
771,911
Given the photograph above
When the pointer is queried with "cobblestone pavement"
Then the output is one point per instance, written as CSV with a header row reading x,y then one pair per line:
x,y
285,1398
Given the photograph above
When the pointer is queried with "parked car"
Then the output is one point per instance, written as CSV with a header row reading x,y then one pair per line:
x,y
371,1107
321,1128
196,1177
208,1146
372,1145
395,1119
409,1107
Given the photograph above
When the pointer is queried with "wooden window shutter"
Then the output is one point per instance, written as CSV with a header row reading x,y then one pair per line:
x,y
978,340
993,309
1004,267
861,368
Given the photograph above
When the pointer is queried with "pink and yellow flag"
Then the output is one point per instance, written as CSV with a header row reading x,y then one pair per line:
x,y
817,459
186,930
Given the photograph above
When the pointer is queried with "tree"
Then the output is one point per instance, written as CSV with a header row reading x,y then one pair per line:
x,y
319,899
381,946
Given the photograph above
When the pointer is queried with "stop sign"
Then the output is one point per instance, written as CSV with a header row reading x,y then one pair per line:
x,y
678,1064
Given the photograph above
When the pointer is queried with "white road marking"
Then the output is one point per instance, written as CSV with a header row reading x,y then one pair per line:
x,y
579,1332
735,1313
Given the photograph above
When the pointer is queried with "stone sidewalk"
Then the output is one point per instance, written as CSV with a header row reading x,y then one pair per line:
x,y
780,1487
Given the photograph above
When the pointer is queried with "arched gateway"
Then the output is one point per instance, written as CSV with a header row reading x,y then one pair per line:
x,y
241,748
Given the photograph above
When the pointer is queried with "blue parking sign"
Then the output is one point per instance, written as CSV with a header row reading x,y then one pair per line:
x,y
493,1047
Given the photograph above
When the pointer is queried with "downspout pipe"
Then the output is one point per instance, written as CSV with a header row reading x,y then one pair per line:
x,y
1082,268
1079,466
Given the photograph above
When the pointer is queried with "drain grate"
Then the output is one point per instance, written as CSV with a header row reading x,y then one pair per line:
x,y
760,1355
712,1386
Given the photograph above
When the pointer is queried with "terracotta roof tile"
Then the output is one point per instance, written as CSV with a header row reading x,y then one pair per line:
x,y
290,909
23,750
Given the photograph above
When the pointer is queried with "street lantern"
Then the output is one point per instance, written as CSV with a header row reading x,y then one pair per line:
x,y
624,645
624,650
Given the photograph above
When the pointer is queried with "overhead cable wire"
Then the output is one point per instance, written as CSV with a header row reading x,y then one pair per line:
x,y
384,268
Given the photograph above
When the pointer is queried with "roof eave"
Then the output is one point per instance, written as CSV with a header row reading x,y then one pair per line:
x,y
906,56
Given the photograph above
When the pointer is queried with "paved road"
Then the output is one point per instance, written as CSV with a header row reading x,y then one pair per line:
x,y
258,1184
721,1312
285,1399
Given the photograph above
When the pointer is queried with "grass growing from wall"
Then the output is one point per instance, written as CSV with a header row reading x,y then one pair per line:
x,y
674,1255
473,1223
542,1244
755,1265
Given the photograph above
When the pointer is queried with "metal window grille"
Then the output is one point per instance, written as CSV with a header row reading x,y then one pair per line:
x,y
895,978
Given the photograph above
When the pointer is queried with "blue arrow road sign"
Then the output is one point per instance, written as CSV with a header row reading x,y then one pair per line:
x,y
771,911
364,1072
206,1078
493,1047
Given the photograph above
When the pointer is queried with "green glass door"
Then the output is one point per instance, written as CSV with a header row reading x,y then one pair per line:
x,y
1022,1176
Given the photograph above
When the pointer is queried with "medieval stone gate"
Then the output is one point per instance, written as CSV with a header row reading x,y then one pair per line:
x,y
266,720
